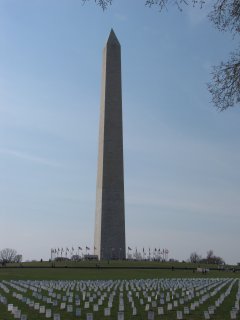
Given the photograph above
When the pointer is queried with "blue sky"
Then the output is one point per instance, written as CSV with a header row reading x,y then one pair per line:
x,y
181,155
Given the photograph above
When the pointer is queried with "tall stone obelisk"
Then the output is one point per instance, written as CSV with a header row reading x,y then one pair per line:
x,y
109,240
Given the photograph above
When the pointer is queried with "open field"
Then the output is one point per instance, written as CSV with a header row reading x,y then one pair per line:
x,y
119,264
100,274
90,270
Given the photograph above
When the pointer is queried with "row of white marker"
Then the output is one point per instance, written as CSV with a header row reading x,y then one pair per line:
x,y
154,296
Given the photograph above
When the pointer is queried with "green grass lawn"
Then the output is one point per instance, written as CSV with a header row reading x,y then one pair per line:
x,y
95,274
118,264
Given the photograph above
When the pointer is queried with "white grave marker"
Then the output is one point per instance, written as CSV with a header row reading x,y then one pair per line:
x,y
48,313
36,306
121,308
107,312
179,315
186,310
78,312
62,305
160,310
169,306
10,307
154,304
233,315
69,308
120,315
89,316
95,307
17,314
150,315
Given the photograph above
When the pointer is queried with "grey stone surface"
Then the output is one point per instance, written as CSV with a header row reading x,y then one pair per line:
x,y
109,238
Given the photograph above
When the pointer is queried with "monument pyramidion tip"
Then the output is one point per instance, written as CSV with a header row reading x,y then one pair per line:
x,y
113,38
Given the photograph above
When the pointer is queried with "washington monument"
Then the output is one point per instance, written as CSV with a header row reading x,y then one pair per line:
x,y
109,239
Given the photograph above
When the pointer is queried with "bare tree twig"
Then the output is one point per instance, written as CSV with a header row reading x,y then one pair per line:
x,y
102,3
225,85
178,3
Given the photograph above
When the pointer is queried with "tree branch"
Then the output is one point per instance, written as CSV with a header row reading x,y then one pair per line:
x,y
102,3
226,15
225,85
178,3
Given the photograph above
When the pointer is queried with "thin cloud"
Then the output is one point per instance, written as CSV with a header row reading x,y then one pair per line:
x,y
211,205
121,17
30,158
